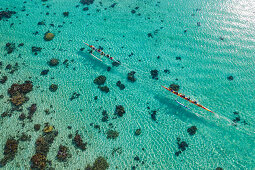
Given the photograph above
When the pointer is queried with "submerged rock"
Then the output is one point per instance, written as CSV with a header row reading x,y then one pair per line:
x,y
175,87
78,142
104,89
44,142
113,5
153,115
48,36
131,76
21,44
105,116
18,99
53,62
6,14
74,96
4,114
100,80
70,136
41,23
42,145
236,113
166,71
138,132
136,158
86,2
44,72
10,150
178,58
37,127
182,145
3,79
22,116
237,119
11,147
178,153
10,47
66,14
120,110
85,9
221,38
63,153
108,68
192,130
35,50
154,74
20,88
32,109
8,67
112,134
48,129
120,85
26,87
100,164
230,78
38,161
24,137
115,63
117,150
53,87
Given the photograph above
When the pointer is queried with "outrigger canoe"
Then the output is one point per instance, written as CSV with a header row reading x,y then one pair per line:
x,y
187,98
93,48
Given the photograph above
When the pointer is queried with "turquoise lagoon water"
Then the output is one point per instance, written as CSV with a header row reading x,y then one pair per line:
x,y
218,42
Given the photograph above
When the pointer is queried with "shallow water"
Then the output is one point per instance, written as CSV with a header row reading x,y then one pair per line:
x,y
218,43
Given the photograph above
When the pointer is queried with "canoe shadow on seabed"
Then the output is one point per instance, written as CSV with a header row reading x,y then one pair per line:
x,y
173,108
210,121
87,59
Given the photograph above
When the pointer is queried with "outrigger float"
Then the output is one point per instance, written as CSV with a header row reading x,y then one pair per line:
x,y
188,99
93,48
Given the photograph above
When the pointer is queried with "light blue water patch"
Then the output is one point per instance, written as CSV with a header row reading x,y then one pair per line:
x,y
196,45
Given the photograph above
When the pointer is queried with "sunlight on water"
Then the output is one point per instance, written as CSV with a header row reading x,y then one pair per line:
x,y
244,10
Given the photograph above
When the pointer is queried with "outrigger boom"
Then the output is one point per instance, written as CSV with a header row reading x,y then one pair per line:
x,y
188,99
